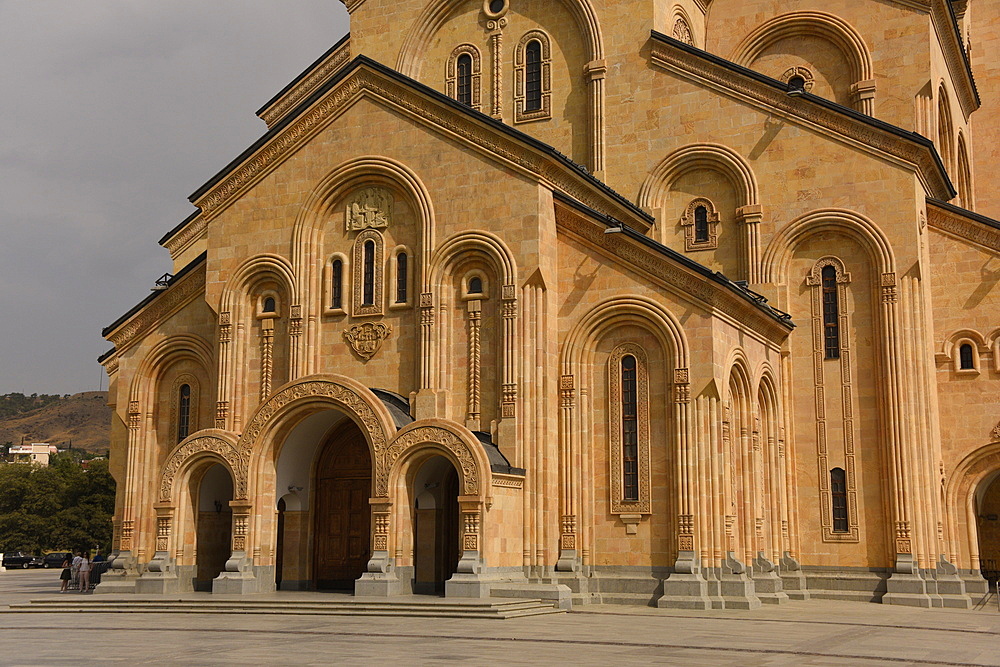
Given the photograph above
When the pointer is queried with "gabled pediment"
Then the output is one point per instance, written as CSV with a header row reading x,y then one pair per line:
x,y
367,79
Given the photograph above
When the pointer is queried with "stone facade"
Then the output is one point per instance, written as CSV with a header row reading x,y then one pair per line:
x,y
676,303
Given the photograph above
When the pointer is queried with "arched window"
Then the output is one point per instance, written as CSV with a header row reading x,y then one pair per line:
x,y
630,430
184,412
368,279
701,225
401,278
831,313
464,79
475,285
838,494
269,305
337,284
533,76
966,358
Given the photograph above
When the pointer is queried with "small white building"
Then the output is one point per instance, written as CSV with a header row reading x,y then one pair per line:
x,y
36,452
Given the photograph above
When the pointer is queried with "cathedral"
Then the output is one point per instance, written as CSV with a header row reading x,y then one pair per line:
x,y
682,303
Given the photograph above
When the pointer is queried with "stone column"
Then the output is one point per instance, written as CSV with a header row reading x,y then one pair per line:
x,y
468,580
750,216
569,556
475,312
266,356
225,368
160,576
380,578
239,573
124,570
596,71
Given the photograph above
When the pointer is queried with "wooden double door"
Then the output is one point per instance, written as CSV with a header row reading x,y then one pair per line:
x,y
343,514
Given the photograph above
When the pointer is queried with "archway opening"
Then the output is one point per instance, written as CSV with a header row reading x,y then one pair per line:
x,y
214,524
342,535
436,546
988,520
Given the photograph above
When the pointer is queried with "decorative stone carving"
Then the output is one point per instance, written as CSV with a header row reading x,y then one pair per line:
x,y
467,464
238,464
370,208
682,31
996,432
803,72
366,339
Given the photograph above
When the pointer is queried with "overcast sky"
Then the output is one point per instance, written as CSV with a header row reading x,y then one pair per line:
x,y
114,111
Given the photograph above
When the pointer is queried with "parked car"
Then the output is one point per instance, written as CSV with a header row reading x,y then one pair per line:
x,y
56,558
20,559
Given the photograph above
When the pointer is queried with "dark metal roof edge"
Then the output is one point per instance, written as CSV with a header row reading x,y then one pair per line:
x,y
306,72
437,97
153,296
176,230
958,210
853,114
687,262
507,470
107,354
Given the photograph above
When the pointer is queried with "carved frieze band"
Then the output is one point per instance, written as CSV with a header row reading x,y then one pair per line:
x,y
964,228
169,302
689,65
311,82
402,97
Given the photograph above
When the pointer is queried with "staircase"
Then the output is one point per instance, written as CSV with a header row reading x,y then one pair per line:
x,y
341,606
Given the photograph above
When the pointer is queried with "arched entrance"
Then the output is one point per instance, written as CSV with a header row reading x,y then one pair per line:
x,y
341,545
988,523
214,491
436,549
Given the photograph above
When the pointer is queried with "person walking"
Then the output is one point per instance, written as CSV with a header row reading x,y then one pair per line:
x,y
75,568
85,572
67,573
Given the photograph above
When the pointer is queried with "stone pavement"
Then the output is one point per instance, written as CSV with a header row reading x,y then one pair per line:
x,y
799,633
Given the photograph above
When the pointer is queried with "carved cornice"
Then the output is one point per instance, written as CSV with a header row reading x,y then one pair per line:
x,y
311,82
964,227
691,64
182,240
404,97
684,283
954,56
352,5
166,304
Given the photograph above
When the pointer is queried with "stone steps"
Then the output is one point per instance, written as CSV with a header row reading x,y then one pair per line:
x,y
432,608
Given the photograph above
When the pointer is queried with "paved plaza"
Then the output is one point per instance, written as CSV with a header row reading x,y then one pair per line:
x,y
798,633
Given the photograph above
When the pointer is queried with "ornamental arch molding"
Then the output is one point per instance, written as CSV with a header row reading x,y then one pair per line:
x,y
439,11
464,243
436,436
298,399
960,489
208,445
820,24
163,355
615,312
253,270
715,157
778,253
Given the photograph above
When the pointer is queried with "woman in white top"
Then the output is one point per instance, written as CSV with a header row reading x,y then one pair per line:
x,y
85,572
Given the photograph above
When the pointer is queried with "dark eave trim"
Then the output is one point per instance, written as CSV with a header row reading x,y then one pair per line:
x,y
152,297
306,72
441,99
965,213
685,261
840,109
104,357
176,230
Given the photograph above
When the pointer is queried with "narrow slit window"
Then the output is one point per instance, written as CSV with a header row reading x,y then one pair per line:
x,y
337,284
184,412
369,274
464,79
401,278
701,225
475,285
533,76
269,305
966,361
831,313
630,430
838,494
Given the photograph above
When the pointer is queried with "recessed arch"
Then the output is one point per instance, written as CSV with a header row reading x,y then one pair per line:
x,y
821,24
464,243
778,253
210,444
715,157
438,12
438,436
